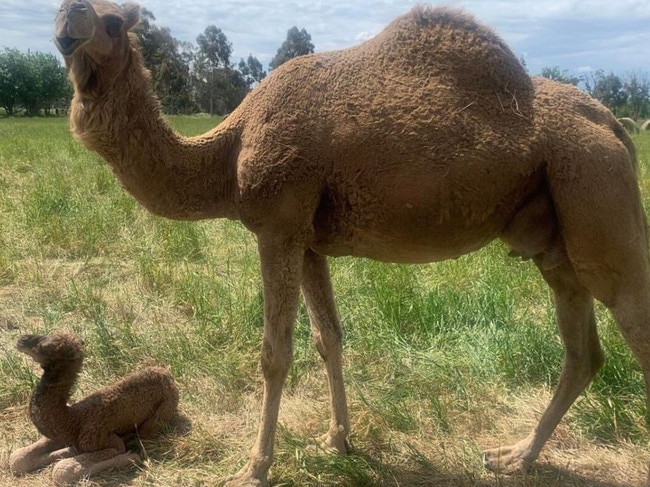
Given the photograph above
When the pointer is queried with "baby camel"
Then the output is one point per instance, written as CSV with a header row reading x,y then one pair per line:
x,y
93,428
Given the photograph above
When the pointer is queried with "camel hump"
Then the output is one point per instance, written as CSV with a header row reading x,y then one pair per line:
x,y
449,42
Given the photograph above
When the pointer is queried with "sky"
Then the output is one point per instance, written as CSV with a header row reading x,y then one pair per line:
x,y
577,35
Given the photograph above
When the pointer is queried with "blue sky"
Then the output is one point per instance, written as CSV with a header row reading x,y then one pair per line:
x,y
577,35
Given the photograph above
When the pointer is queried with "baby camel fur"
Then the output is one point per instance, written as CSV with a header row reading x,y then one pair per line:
x,y
94,427
421,144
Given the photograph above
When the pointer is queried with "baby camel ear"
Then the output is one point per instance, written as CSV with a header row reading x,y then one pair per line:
x,y
131,13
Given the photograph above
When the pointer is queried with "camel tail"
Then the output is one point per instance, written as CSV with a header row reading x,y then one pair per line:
x,y
623,135
625,138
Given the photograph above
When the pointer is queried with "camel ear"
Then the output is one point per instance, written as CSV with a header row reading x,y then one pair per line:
x,y
131,13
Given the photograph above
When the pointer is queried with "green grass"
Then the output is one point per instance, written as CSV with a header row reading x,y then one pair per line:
x,y
441,360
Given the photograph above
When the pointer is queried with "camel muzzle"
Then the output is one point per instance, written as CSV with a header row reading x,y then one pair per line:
x,y
74,26
28,342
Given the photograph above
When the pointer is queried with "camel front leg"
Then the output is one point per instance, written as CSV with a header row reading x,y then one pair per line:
x,y
319,297
38,455
281,265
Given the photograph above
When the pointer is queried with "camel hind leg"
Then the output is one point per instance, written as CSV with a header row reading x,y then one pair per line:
x,y
577,326
319,297
630,306
604,229
165,413
632,314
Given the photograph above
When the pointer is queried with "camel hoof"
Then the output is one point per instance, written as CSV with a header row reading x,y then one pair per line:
x,y
335,442
507,460
246,480
19,463
251,475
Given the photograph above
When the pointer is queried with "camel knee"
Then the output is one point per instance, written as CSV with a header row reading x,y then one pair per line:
x,y
583,361
276,359
632,315
596,361
328,340
585,367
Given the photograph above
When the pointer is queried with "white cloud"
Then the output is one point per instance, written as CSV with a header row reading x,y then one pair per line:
x,y
365,35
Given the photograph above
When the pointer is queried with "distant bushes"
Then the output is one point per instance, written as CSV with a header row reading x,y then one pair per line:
x,y
32,83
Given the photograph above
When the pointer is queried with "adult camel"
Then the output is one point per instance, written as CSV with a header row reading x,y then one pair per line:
x,y
421,144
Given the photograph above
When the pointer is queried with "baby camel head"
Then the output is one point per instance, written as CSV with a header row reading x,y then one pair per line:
x,y
52,349
92,35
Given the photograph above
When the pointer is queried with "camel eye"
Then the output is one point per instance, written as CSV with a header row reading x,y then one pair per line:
x,y
113,25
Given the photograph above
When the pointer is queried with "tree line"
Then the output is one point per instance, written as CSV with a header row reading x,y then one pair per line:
x,y
32,82
190,78
187,78
627,96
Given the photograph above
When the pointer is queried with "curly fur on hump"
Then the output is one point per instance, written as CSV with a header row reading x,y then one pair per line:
x,y
139,403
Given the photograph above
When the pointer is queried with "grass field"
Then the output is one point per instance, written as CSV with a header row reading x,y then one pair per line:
x,y
440,360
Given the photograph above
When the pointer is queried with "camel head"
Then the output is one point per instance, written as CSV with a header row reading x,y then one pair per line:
x,y
98,26
51,349
93,36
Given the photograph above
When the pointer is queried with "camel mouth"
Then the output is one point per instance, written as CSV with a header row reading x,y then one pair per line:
x,y
61,347
68,45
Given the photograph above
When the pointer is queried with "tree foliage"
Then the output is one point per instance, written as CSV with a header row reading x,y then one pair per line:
x,y
628,96
32,81
214,47
606,88
185,78
561,75
252,71
167,61
188,78
637,88
219,88
297,43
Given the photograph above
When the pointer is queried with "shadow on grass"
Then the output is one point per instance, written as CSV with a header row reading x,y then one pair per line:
x,y
361,470
538,476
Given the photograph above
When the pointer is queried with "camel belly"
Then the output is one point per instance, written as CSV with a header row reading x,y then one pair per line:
x,y
420,216
412,241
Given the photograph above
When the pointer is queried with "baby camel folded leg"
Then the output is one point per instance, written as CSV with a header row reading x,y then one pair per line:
x,y
82,466
38,455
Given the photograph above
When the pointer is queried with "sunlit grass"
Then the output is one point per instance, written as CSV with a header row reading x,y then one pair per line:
x,y
441,360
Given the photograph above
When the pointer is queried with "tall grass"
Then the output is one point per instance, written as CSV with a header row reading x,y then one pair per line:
x,y
437,356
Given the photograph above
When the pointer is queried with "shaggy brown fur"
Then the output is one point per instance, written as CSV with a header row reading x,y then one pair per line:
x,y
139,403
422,144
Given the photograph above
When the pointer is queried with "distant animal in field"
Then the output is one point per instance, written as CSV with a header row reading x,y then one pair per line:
x,y
93,429
422,144
629,124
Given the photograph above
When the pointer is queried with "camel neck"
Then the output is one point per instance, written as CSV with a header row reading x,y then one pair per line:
x,y
49,410
184,178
